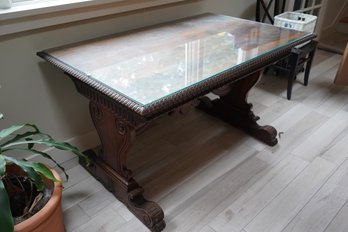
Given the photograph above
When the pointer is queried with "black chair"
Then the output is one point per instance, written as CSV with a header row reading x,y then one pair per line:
x,y
301,57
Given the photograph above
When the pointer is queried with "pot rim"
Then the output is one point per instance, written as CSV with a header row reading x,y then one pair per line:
x,y
50,207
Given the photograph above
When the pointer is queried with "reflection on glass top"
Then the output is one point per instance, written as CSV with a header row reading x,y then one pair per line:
x,y
150,64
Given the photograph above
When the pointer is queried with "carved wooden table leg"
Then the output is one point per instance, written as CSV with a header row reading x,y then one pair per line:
x,y
110,168
232,107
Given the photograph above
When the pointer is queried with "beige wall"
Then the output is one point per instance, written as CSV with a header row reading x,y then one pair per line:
x,y
333,8
35,91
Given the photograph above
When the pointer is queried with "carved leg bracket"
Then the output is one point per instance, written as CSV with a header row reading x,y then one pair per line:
x,y
232,107
128,192
110,168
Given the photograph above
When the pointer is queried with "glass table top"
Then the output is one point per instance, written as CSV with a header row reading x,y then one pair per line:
x,y
153,63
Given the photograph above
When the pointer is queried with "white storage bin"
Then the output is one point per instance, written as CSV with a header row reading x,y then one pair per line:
x,y
296,21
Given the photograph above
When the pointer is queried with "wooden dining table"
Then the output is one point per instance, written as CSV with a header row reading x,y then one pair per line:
x,y
134,77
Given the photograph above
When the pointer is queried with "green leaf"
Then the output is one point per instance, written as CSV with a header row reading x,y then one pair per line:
x,y
6,220
44,170
25,138
2,165
45,155
67,147
8,131
32,174
50,143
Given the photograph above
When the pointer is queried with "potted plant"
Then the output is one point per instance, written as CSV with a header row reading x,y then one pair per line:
x,y
29,191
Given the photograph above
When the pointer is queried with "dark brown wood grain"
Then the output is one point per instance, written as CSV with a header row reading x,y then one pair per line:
x,y
232,107
118,118
109,166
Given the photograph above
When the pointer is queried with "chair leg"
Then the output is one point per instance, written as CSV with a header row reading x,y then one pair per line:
x,y
293,72
290,83
308,67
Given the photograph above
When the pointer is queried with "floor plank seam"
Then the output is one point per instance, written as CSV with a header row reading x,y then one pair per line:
x,y
244,228
316,192
338,212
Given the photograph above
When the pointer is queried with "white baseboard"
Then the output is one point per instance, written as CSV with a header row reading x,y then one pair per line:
x,y
83,142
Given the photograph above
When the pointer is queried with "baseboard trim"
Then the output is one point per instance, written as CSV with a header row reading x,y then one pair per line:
x,y
83,142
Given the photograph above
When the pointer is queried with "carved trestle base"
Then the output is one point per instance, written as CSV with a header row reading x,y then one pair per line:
x,y
233,108
108,165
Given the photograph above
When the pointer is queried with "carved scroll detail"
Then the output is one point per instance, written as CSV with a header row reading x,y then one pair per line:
x,y
232,107
110,167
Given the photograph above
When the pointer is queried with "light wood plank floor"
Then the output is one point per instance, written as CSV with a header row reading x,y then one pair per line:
x,y
211,177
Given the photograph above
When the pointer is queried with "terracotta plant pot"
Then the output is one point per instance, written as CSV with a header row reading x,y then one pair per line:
x,y
50,217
